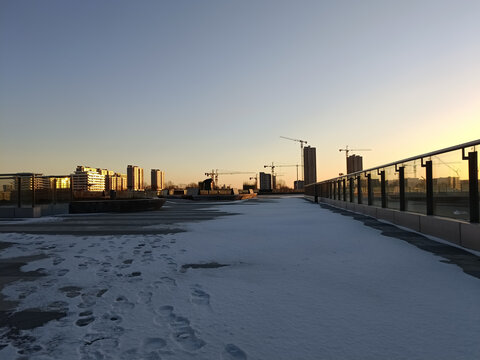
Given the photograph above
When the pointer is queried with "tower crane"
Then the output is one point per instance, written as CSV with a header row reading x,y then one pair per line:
x,y
347,150
214,174
301,148
273,166
296,165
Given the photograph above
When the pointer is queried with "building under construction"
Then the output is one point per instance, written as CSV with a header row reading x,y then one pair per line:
x,y
354,163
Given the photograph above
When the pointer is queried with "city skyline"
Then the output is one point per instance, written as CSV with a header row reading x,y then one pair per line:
x,y
213,85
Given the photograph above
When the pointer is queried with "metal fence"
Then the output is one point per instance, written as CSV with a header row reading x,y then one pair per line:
x,y
29,189
442,183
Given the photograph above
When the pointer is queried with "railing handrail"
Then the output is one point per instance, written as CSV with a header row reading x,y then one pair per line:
x,y
37,175
432,153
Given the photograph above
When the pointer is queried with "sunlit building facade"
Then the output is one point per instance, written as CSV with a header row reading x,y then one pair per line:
x,y
157,179
135,178
115,181
88,179
60,182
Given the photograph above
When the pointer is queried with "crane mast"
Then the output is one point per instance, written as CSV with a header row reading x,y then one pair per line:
x,y
302,142
347,150
214,174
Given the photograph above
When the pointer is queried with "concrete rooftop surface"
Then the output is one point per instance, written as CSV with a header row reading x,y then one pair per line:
x,y
267,278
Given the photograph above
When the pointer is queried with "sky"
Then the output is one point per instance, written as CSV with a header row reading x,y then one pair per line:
x,y
190,86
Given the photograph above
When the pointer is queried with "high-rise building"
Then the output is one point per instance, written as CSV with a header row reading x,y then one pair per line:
x,y
265,181
354,163
135,178
157,179
310,165
88,179
115,181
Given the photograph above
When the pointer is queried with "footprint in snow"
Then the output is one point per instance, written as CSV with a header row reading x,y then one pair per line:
x,y
153,344
84,321
165,281
144,297
233,352
185,337
57,261
199,297
62,272
122,304
165,310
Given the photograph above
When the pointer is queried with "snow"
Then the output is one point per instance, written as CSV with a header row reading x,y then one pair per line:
x,y
303,283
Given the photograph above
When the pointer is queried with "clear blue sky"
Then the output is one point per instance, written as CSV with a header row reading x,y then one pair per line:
x,y
187,86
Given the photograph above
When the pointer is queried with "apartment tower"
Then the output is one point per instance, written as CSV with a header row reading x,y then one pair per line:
x,y
310,165
135,178
157,179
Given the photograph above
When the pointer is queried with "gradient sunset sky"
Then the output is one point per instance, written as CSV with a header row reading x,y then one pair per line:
x,y
190,86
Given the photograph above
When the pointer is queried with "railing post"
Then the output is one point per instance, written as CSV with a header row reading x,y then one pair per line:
x,y
339,188
401,184
72,195
359,189
54,192
344,189
383,189
369,189
473,186
19,191
351,188
429,185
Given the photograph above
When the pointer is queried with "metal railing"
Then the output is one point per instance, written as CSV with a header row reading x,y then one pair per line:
x,y
442,183
30,189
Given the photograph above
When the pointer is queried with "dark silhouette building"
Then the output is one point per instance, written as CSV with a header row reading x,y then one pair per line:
x,y
265,182
310,165
354,163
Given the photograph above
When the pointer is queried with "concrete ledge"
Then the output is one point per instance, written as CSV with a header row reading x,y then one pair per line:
x,y
441,227
409,220
7,212
28,212
458,232
54,209
470,236
350,206
386,214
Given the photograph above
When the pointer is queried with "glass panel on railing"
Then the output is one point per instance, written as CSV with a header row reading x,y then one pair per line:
x,y
43,190
8,193
364,188
355,189
415,187
376,188
347,189
392,188
450,185
26,186
61,187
